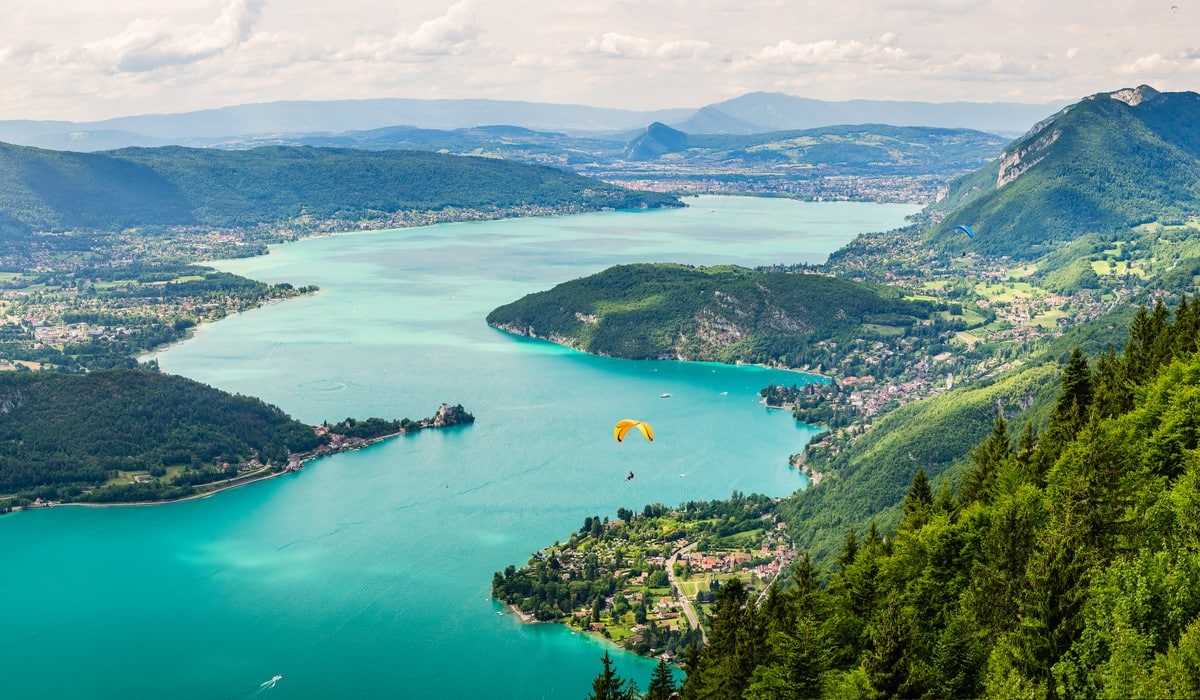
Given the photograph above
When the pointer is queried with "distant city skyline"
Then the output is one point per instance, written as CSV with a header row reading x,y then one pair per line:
x,y
77,60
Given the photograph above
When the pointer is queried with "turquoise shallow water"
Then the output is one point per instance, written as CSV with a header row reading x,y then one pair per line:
x,y
368,574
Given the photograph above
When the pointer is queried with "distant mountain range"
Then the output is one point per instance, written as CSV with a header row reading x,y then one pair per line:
x,y
760,112
1111,161
753,113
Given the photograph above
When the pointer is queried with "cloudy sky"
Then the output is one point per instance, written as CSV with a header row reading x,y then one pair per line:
x,y
82,60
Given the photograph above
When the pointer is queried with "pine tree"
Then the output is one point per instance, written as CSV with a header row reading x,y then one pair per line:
x,y
1113,395
1186,327
1057,580
662,683
959,658
1071,412
849,550
736,645
891,641
609,686
989,456
916,504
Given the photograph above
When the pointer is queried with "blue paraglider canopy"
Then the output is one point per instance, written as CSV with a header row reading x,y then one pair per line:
x,y
965,229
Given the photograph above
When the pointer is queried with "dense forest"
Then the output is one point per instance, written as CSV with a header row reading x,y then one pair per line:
x,y
63,436
724,313
1066,565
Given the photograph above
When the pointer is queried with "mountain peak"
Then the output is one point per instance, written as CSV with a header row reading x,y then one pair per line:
x,y
655,141
1134,96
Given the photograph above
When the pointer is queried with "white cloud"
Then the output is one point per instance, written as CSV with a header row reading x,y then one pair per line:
x,y
452,33
1162,65
614,45
831,52
147,45
81,59
446,34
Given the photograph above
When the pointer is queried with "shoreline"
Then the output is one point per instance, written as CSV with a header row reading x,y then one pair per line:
x,y
227,485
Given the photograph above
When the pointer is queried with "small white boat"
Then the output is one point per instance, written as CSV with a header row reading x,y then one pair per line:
x,y
666,395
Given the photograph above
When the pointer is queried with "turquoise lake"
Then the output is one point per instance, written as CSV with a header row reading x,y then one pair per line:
x,y
368,574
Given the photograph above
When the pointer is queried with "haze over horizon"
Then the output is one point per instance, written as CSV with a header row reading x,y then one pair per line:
x,y
82,61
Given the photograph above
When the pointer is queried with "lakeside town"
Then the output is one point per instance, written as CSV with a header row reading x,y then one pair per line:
x,y
647,581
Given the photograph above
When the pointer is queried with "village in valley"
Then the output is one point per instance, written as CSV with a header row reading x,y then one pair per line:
x,y
995,314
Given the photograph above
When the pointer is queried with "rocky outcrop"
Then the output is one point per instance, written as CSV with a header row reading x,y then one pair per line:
x,y
1018,161
1135,96
448,415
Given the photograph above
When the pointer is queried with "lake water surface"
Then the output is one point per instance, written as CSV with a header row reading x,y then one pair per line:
x,y
368,573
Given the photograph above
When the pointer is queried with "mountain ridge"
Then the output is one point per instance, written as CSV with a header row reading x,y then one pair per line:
x,y
752,113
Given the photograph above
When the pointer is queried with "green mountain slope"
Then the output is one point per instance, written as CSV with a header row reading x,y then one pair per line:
x,y
725,313
867,480
54,191
873,148
1108,163
870,478
63,433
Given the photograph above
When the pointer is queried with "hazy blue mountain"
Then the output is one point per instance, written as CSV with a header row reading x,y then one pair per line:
x,y
657,140
713,120
1105,164
753,113
334,116
771,111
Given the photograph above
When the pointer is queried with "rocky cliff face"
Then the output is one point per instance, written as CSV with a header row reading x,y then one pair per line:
x,y
1018,161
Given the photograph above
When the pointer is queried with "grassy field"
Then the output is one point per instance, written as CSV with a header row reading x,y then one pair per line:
x,y
968,338
1105,268
1006,292
1049,319
1022,272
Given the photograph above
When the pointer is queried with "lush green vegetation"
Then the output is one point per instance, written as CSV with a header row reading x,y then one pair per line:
x,y
867,478
725,313
373,428
44,190
1070,176
63,437
1067,564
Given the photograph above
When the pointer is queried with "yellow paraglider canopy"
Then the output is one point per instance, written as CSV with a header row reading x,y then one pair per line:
x,y
623,427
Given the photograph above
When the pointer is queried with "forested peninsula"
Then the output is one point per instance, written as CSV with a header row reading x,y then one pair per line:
x,y
138,435
724,313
